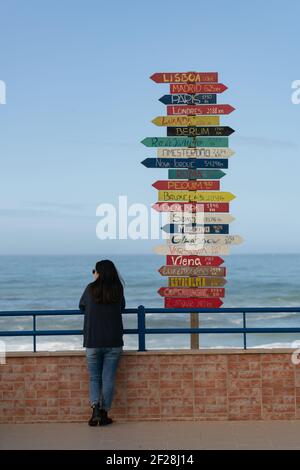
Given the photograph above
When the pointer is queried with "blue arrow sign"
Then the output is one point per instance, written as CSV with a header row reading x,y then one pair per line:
x,y
189,99
188,228
190,163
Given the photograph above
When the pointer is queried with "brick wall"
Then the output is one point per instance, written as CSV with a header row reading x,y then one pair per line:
x,y
156,385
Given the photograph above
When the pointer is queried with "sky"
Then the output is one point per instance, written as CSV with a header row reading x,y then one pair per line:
x,y
79,101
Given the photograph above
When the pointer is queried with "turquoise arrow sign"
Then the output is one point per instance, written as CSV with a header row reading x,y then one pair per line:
x,y
196,174
185,141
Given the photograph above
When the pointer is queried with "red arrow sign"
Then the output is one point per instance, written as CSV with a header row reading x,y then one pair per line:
x,y
193,260
206,185
191,292
177,88
191,207
185,77
200,109
173,302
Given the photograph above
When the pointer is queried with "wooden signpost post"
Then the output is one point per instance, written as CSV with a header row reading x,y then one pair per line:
x,y
195,152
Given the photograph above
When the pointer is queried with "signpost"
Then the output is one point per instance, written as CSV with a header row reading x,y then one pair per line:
x,y
191,163
194,174
197,196
200,109
207,131
185,77
189,99
207,185
192,292
196,281
174,270
195,152
191,206
193,261
200,217
193,228
185,141
190,302
186,121
197,88
184,249
203,240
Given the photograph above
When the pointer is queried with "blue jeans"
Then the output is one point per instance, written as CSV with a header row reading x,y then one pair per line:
x,y
102,366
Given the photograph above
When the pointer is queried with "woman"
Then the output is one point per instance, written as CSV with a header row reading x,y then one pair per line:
x,y
102,303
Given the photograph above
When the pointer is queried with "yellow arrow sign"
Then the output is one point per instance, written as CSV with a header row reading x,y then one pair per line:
x,y
195,196
186,121
196,281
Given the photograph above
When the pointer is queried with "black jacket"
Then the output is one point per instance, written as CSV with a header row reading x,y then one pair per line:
x,y
103,326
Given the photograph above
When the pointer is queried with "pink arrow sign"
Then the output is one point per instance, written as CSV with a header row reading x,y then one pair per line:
x,y
191,207
190,88
192,291
204,109
175,302
193,260
177,185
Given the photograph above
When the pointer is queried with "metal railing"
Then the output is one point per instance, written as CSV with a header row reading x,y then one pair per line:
x,y
142,331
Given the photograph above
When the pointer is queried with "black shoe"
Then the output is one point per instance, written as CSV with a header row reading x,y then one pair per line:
x,y
95,418
104,419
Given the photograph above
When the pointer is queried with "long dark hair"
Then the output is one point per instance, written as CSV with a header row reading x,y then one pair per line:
x,y
108,287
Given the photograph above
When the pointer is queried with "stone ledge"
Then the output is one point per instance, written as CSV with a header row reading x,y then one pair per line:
x,y
158,352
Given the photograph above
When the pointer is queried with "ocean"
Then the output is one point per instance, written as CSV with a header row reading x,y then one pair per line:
x,y
57,282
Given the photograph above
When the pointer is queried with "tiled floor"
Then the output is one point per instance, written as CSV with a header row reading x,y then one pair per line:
x,y
154,435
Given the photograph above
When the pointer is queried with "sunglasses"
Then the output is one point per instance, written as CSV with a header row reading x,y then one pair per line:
x,y
94,270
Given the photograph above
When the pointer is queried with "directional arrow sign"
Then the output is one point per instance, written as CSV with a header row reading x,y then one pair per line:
x,y
194,250
186,121
201,131
192,271
197,88
196,281
204,240
185,141
195,174
191,292
197,196
200,109
206,185
199,218
199,152
175,302
192,228
191,206
189,99
194,262
191,163
185,77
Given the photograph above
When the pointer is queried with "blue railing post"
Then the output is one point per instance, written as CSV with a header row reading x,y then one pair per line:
x,y
245,334
34,332
141,328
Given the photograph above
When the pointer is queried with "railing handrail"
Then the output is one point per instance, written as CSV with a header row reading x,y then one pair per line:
x,y
16,313
141,329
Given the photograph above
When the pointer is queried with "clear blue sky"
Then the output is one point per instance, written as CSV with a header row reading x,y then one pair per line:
x,y
79,101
